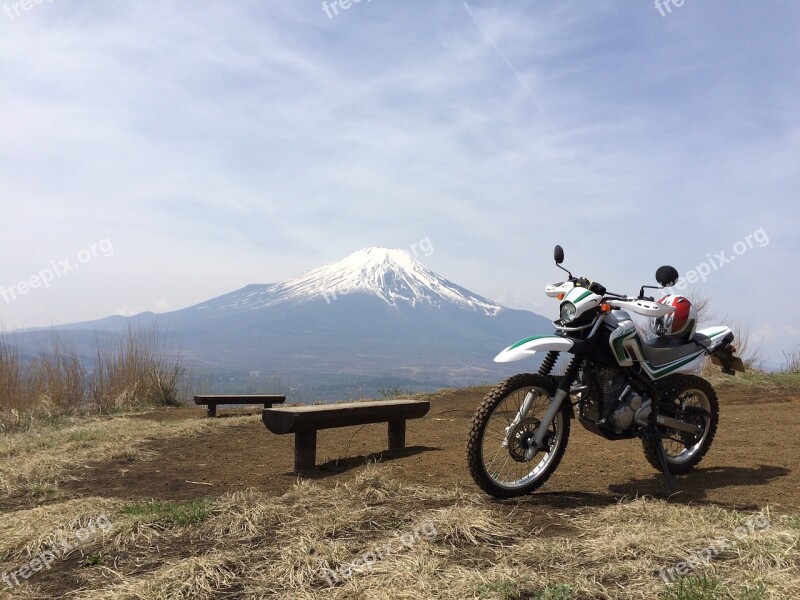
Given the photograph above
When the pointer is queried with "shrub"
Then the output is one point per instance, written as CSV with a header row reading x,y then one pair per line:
x,y
136,371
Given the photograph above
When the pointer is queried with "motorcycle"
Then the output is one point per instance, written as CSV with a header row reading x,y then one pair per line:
x,y
617,384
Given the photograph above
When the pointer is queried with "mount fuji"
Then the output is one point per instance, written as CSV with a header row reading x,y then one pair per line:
x,y
391,275
378,318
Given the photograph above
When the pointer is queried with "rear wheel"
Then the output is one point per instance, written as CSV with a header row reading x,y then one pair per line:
x,y
496,450
693,400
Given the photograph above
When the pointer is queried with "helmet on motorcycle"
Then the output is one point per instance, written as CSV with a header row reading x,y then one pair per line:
x,y
679,325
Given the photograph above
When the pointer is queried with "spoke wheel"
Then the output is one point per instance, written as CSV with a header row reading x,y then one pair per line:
x,y
695,402
499,451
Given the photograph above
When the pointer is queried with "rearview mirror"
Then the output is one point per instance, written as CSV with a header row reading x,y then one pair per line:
x,y
558,254
666,276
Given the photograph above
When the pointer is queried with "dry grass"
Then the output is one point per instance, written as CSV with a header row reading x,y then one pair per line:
x,y
791,363
136,372
194,578
32,462
366,538
250,545
26,533
755,382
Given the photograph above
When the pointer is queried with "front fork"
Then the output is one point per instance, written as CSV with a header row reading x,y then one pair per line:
x,y
521,414
547,420
562,392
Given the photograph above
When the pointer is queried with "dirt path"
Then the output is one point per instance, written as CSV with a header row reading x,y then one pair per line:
x,y
751,464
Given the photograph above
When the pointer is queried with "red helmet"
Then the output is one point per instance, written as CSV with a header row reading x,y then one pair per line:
x,y
682,323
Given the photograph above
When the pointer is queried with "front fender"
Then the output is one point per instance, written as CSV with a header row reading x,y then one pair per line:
x,y
530,346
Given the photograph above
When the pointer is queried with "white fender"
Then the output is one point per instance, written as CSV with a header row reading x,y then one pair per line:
x,y
715,334
530,346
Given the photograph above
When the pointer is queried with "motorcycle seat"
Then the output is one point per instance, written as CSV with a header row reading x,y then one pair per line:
x,y
662,350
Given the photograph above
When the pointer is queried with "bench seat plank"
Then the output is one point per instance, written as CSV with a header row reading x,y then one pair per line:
x,y
212,400
295,419
204,399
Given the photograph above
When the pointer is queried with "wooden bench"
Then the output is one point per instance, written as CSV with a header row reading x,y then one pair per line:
x,y
305,421
213,401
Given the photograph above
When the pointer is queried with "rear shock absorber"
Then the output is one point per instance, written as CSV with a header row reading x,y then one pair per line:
x,y
548,363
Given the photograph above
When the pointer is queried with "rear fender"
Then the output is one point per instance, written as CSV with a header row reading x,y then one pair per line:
x,y
720,337
530,346
721,349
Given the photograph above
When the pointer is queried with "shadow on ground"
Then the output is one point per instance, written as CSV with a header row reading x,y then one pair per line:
x,y
695,486
341,465
688,488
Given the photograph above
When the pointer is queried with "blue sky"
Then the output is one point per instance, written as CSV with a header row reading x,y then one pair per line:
x,y
217,144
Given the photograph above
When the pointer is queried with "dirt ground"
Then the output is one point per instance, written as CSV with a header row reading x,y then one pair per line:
x,y
752,463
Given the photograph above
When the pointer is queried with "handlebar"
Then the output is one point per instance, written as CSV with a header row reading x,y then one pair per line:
x,y
600,290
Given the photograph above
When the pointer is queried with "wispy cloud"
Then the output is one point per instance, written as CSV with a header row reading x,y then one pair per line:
x,y
245,142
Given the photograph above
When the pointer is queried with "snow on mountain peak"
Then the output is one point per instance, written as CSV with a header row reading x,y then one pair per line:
x,y
391,274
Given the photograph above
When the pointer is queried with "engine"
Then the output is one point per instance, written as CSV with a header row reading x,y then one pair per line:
x,y
625,411
604,391
611,404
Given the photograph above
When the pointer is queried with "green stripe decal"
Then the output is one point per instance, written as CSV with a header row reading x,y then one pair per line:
x,y
619,350
530,339
581,297
670,368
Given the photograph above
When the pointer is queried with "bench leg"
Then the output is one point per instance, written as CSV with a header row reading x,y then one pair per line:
x,y
212,410
305,450
397,435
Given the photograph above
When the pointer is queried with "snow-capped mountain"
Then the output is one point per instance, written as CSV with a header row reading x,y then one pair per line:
x,y
376,318
392,275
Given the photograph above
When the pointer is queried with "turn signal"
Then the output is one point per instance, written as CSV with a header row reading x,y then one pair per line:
x,y
605,308
561,296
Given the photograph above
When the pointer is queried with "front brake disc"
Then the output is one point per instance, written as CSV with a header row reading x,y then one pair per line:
x,y
521,438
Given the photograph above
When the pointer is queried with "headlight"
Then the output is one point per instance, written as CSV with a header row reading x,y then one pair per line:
x,y
568,311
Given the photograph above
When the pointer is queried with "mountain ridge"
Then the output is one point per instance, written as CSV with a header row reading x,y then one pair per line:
x,y
377,314
390,274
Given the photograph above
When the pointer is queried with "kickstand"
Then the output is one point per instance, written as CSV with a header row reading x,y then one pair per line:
x,y
662,458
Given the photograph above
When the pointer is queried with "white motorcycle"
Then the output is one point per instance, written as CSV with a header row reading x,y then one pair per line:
x,y
617,384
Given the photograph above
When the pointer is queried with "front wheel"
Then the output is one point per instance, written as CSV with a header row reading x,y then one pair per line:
x,y
496,450
693,400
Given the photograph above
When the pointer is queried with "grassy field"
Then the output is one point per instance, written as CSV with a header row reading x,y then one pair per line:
x,y
376,537
378,534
